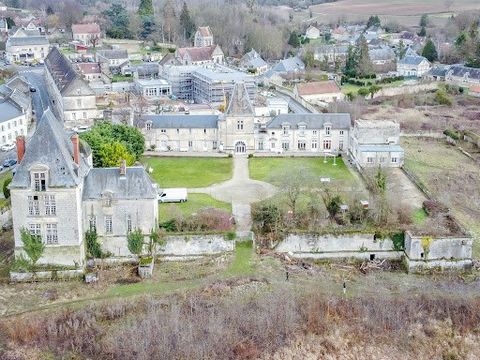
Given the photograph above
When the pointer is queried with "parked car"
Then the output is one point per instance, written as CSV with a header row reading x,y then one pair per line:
x,y
81,129
172,195
8,147
8,163
32,89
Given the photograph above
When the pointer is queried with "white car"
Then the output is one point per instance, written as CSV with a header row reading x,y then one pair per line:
x,y
81,129
8,147
172,195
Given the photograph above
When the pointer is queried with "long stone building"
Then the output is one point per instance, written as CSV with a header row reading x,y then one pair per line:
x,y
73,99
57,194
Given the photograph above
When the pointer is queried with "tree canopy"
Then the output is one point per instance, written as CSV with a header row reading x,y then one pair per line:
x,y
113,142
430,51
186,22
145,8
373,21
118,19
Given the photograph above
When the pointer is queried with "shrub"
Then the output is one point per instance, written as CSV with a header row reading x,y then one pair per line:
x,y
442,98
231,235
135,241
93,246
6,190
452,134
363,91
169,225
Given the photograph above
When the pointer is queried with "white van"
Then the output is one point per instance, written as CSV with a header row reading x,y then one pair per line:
x,y
172,195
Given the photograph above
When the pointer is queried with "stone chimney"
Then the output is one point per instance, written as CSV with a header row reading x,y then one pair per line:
x,y
123,168
20,148
76,149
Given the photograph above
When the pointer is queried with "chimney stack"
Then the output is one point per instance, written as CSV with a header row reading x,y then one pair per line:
x,y
123,168
76,149
20,148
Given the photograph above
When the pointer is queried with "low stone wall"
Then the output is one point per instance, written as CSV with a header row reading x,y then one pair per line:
x,y
426,252
178,246
45,275
406,89
355,245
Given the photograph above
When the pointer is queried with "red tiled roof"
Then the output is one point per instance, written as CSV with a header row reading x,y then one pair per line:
x,y
319,87
85,28
205,30
475,89
89,68
197,53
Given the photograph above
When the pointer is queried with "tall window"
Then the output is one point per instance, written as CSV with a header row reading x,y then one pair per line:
x,y
33,206
301,145
129,223
79,103
50,205
240,125
314,144
285,145
327,144
108,224
148,126
301,130
285,130
260,145
40,181
340,145
190,143
92,223
214,145
35,229
327,130
52,235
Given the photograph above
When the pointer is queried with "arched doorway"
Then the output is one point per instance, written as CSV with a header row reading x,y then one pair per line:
x,y
240,147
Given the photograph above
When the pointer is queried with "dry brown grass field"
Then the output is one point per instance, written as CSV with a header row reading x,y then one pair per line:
x,y
405,12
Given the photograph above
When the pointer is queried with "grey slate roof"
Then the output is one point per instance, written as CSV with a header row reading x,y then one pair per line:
x,y
381,53
68,81
8,110
461,70
50,146
27,40
181,121
239,103
136,184
312,121
411,60
113,54
290,65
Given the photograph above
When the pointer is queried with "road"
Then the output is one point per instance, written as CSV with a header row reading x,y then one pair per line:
x,y
40,98
293,105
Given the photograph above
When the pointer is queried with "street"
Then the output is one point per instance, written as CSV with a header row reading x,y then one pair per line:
x,y
40,97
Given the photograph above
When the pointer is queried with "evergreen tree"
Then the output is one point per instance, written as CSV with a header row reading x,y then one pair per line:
x,y
429,51
373,21
364,65
118,18
402,49
187,23
293,40
423,31
145,8
350,69
424,20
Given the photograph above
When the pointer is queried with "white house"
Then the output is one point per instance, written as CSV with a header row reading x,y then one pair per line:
x,y
413,65
13,121
312,33
153,88
319,92
376,143
27,48
87,34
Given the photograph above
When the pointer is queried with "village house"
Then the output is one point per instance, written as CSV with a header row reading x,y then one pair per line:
x,y
463,74
114,60
312,33
22,47
383,58
376,143
90,71
73,99
203,37
274,106
331,53
17,91
212,54
252,61
87,34
13,120
319,92
153,89
58,196
412,65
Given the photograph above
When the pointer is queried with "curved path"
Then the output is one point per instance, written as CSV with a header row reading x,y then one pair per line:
x,y
240,191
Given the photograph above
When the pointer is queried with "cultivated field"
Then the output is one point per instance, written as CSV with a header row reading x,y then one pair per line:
x,y
406,12
189,172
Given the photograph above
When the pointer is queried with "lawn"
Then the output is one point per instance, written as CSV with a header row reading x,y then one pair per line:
x,y
242,263
119,78
195,203
270,169
189,172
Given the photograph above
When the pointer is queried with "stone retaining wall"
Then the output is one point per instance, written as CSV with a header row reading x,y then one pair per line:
x,y
45,275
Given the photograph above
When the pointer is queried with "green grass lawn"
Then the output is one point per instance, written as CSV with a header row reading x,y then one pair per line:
x,y
270,169
419,216
190,172
242,263
195,203
118,78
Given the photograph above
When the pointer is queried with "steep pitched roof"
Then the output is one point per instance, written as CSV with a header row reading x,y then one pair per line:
x,y
68,81
318,87
136,184
180,121
113,54
412,60
89,68
239,102
205,31
27,40
50,146
311,121
292,64
9,110
85,28
462,70
197,53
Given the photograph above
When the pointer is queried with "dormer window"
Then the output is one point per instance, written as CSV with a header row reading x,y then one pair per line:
x,y
285,129
328,130
40,181
148,126
107,199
